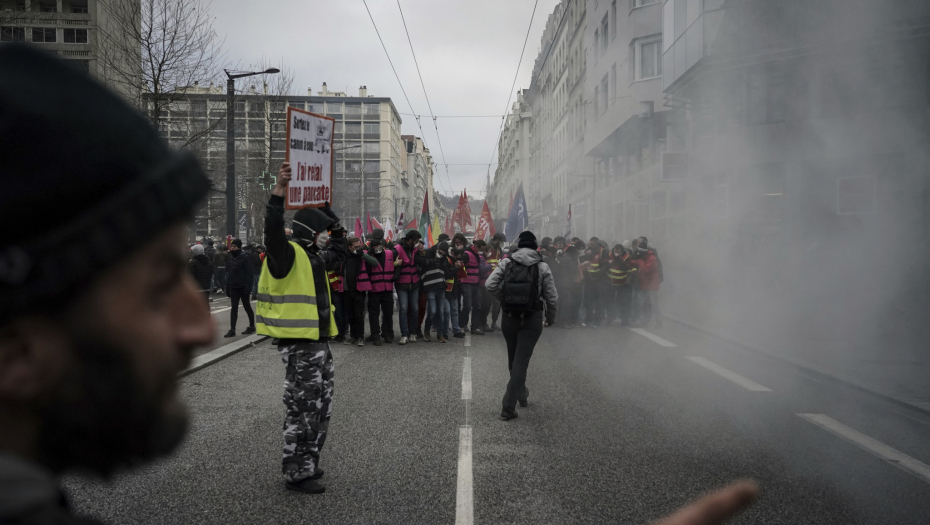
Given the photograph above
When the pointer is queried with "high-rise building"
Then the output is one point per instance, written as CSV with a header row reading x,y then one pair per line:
x,y
513,165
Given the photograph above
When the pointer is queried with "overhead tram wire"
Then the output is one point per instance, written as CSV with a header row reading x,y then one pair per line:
x,y
391,62
515,75
423,85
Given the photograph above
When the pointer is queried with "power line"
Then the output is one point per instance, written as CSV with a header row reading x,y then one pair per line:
x,y
401,84
456,116
423,85
515,75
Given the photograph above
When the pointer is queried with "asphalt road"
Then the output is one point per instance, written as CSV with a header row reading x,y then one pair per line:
x,y
220,308
622,427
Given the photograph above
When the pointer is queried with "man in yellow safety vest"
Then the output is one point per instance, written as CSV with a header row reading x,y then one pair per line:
x,y
295,306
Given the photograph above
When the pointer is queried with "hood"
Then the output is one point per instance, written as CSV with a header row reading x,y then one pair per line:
x,y
526,256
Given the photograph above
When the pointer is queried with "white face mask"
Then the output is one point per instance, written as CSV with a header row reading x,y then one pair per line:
x,y
439,255
379,249
321,240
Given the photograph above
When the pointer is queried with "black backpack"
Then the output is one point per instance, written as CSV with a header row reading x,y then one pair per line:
x,y
520,287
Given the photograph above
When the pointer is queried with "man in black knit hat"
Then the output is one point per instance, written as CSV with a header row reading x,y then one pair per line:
x,y
523,284
99,314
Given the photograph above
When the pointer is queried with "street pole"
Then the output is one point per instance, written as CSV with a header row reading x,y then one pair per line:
x,y
230,157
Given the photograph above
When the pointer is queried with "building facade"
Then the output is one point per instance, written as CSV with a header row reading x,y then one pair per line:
x,y
513,165
70,29
367,146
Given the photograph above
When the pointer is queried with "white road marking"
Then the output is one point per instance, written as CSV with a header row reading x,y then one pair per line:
x,y
732,376
466,379
898,459
654,338
464,494
467,339
218,310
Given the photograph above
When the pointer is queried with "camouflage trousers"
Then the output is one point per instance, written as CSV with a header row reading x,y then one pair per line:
x,y
308,396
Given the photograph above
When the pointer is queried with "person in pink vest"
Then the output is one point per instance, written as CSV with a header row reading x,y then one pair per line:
x,y
408,263
381,296
471,299
356,285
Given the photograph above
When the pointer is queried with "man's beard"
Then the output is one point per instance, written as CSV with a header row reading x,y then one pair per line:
x,y
101,419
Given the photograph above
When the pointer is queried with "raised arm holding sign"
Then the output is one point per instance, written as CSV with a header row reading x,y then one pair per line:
x,y
310,156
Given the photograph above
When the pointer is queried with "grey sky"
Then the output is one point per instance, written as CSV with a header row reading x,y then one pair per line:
x,y
467,51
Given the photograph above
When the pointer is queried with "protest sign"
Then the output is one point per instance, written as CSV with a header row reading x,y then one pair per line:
x,y
310,154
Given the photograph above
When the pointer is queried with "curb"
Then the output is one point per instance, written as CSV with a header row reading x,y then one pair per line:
x,y
205,360
913,404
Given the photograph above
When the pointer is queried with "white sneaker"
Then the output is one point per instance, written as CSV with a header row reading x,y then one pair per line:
x,y
403,341
413,339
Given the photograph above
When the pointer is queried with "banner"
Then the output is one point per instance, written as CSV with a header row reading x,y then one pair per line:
x,y
310,154
485,229
519,217
399,228
436,230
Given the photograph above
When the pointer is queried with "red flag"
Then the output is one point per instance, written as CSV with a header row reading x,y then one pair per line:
x,y
467,207
368,223
377,225
358,227
411,226
450,226
485,229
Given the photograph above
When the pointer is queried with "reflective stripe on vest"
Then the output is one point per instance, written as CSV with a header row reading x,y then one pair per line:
x,y
617,277
335,281
287,308
433,277
363,281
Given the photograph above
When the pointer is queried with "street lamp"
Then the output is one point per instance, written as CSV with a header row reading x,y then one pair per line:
x,y
232,75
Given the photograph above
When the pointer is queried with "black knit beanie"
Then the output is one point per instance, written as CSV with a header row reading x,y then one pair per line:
x,y
86,180
527,240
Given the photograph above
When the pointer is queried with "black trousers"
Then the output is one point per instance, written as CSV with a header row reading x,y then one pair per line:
x,y
594,299
620,299
378,303
485,296
235,294
354,306
521,333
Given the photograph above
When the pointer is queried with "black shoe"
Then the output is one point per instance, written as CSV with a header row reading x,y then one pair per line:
x,y
249,330
377,342
477,331
317,474
307,486
460,334
339,339
523,399
372,339
508,413
231,333
419,334
388,340
495,327
486,329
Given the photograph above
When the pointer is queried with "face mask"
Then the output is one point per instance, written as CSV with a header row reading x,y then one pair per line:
x,y
440,255
321,240
379,249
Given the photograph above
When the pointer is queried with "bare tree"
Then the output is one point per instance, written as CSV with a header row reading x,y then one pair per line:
x,y
179,51
14,17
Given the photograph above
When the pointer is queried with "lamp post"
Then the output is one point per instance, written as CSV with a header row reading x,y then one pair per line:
x,y
232,75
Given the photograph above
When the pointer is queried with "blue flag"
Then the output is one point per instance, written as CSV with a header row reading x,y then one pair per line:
x,y
519,217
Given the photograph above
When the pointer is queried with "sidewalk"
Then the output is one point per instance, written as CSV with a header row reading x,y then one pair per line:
x,y
896,370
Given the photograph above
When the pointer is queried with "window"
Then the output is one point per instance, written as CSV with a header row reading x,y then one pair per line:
x,y
334,108
353,127
372,147
373,127
648,59
597,42
641,3
602,104
613,83
603,42
613,19
597,98
79,9
12,34
74,36
48,8
44,34
855,195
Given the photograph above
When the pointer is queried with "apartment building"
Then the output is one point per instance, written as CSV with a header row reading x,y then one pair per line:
x,y
632,191
71,29
560,173
416,180
367,146
513,167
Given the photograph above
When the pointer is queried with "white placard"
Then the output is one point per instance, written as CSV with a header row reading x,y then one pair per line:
x,y
310,154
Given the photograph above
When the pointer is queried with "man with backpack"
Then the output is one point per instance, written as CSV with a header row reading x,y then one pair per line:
x,y
524,286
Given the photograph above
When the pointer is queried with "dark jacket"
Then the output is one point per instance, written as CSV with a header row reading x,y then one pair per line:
x,y
435,271
256,259
566,273
239,272
280,256
597,256
220,259
32,497
202,270
353,266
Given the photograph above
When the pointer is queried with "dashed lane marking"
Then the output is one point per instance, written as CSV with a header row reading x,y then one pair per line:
x,y
466,379
654,338
883,451
464,494
732,376
467,339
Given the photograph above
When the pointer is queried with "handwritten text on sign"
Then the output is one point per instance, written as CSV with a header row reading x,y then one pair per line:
x,y
310,153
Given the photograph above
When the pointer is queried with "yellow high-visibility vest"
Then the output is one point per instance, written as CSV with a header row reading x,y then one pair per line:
x,y
287,307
